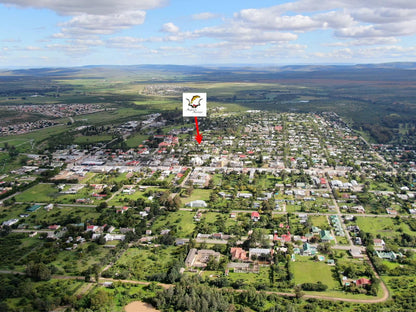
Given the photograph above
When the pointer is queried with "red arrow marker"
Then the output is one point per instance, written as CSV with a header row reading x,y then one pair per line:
x,y
198,137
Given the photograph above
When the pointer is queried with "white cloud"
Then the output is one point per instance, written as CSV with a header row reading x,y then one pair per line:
x,y
170,28
205,16
92,7
32,48
87,24
125,43
77,46
240,33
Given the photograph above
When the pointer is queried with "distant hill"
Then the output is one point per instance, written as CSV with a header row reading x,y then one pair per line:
x,y
405,71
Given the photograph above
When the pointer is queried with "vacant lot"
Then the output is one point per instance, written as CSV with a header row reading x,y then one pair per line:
x,y
309,271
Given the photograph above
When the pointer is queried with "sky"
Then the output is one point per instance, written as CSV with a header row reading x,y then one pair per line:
x,y
42,33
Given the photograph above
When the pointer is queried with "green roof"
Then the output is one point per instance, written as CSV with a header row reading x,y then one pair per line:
x,y
326,235
33,208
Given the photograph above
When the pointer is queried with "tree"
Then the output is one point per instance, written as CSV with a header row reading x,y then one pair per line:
x,y
298,292
38,271
101,301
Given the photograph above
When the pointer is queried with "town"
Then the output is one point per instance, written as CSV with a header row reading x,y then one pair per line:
x,y
276,202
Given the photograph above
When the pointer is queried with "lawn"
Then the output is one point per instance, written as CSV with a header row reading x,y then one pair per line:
x,y
309,271
319,221
135,140
183,220
197,194
384,226
139,263
40,193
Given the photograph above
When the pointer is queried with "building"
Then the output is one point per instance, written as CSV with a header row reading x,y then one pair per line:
x,y
308,250
200,258
326,236
390,255
258,252
33,208
197,204
238,253
379,243
356,253
240,267
255,216
362,281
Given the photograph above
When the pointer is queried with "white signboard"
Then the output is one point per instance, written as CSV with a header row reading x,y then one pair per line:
x,y
194,104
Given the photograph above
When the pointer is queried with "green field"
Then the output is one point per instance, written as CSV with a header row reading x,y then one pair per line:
x,y
40,193
183,221
319,221
197,194
386,227
139,263
309,271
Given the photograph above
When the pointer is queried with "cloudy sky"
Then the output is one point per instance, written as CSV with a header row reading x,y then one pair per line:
x,y
121,32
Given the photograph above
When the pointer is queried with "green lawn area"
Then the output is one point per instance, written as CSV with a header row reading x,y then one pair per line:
x,y
40,193
383,226
135,140
342,240
48,193
309,271
183,220
122,199
197,194
139,263
55,216
92,139
319,221
74,262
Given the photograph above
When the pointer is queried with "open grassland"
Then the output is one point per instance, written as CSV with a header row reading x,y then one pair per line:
x,y
138,263
182,221
197,194
309,271
384,226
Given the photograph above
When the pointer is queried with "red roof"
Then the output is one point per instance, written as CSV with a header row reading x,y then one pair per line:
x,y
238,253
255,214
363,281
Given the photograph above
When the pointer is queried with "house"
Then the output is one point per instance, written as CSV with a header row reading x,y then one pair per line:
x,y
180,242
197,204
33,208
239,267
326,236
111,237
238,253
379,243
49,207
244,195
255,216
286,238
315,230
362,281
390,255
54,227
200,258
308,250
10,222
92,228
356,253
257,252
217,236
122,210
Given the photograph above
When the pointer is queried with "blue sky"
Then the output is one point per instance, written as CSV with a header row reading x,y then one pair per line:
x,y
122,32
